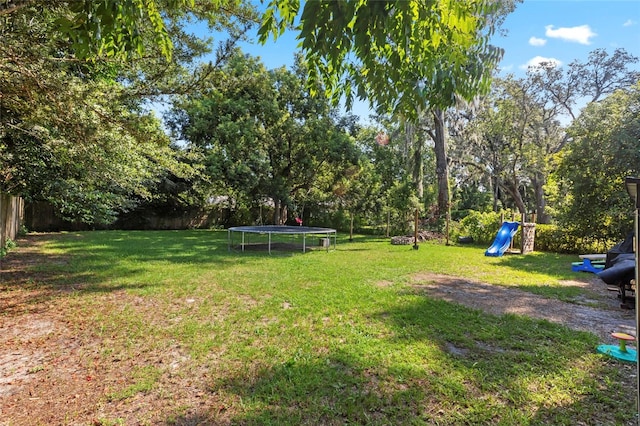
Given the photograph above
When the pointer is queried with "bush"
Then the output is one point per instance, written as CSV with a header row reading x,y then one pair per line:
x,y
458,215
551,238
9,244
482,227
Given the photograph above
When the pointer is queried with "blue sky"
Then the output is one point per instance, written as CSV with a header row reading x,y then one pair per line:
x,y
550,30
564,31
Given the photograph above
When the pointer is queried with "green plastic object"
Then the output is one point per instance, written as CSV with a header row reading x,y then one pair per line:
x,y
629,355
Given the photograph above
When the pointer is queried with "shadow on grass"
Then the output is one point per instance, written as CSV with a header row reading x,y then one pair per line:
x,y
46,266
515,367
440,365
329,390
362,239
551,263
51,265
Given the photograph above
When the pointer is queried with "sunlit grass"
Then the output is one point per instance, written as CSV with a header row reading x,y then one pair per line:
x,y
336,337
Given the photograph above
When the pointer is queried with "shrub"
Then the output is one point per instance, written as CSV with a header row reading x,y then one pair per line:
x,y
8,245
482,227
552,238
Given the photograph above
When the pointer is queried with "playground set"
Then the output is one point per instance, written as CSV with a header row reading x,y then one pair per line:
x,y
503,242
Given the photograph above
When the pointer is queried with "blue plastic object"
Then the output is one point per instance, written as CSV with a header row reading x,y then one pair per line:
x,y
503,239
586,266
629,355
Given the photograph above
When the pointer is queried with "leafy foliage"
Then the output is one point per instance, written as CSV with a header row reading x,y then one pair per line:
x,y
606,149
482,227
122,30
516,134
264,137
404,57
77,133
73,160
399,55
506,141
553,238
561,88
8,245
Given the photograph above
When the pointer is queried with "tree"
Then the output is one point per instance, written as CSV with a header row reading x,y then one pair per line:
x,y
558,94
73,161
566,89
402,56
504,141
76,132
472,187
109,28
358,191
519,130
264,136
590,178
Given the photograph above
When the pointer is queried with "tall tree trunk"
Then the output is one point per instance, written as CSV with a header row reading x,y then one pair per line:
x,y
442,168
495,191
541,201
416,161
276,211
279,212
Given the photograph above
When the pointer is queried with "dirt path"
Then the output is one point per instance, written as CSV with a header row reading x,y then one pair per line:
x,y
498,300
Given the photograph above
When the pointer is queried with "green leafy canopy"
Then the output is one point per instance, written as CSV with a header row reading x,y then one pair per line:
x,y
400,55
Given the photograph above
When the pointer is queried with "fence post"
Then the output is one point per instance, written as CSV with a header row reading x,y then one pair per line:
x,y
11,217
415,231
3,221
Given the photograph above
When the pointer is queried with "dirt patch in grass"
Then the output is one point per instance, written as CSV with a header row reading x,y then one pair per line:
x,y
57,367
599,312
596,310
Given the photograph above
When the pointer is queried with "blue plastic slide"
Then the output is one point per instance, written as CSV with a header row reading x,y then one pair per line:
x,y
503,239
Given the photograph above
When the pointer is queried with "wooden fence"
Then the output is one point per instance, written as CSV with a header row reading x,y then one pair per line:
x,y
42,217
11,217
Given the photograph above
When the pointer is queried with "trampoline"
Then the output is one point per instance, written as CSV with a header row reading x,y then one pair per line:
x,y
277,232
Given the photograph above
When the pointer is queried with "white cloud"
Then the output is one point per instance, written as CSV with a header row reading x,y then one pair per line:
x,y
580,34
629,22
539,60
535,41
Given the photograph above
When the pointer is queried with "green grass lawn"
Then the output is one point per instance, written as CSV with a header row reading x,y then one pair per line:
x,y
208,336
